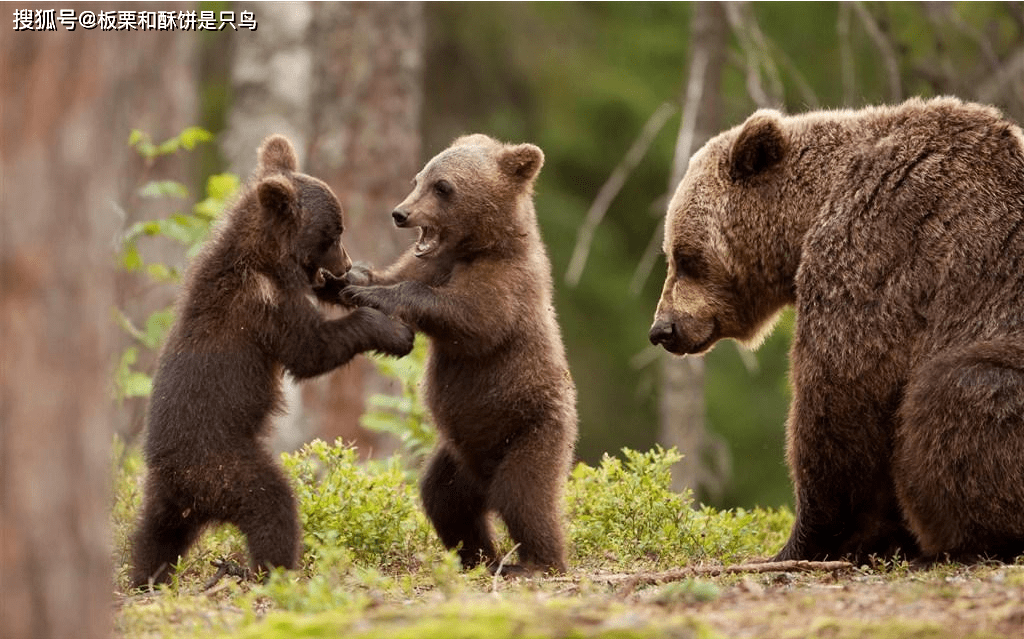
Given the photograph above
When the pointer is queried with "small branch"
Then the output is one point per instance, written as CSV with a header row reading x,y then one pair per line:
x,y
645,266
611,188
226,568
846,65
1010,72
688,125
501,566
648,578
754,87
884,47
758,56
806,91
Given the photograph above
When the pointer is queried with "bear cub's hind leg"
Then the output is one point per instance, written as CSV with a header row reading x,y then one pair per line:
x,y
265,511
529,506
456,505
164,534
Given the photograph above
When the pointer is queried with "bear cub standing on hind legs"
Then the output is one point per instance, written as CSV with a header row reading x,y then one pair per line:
x,y
898,234
245,316
478,283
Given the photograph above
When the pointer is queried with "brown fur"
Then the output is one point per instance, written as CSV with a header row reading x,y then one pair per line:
x,y
478,283
244,318
898,234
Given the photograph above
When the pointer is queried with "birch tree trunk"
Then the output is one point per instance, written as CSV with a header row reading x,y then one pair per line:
x,y
69,100
343,82
681,392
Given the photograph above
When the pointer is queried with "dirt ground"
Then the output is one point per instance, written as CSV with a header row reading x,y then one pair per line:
x,y
747,601
942,601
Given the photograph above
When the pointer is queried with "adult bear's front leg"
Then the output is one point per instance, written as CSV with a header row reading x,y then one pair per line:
x,y
839,450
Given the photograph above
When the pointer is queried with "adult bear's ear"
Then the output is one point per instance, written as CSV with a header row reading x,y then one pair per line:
x,y
277,197
760,145
521,162
277,155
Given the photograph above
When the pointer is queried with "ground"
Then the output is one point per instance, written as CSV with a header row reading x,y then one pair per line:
x,y
645,562
944,601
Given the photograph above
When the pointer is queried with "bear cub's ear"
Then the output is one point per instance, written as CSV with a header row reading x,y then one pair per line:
x,y
277,196
759,146
277,155
521,161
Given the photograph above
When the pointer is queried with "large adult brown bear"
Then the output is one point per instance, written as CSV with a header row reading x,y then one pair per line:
x,y
478,284
898,234
245,317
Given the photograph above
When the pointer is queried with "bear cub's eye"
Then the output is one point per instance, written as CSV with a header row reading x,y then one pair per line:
x,y
443,188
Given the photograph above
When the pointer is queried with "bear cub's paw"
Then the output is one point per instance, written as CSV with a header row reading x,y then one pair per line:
x,y
371,296
328,287
391,337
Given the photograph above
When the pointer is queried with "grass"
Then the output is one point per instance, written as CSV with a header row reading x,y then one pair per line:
x,y
372,567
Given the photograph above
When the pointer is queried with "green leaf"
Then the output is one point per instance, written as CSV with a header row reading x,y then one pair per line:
x,y
194,135
161,273
222,186
131,259
128,382
138,229
136,384
164,188
136,136
168,147
157,326
147,150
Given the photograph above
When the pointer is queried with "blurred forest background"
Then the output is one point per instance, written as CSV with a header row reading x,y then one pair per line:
x,y
617,94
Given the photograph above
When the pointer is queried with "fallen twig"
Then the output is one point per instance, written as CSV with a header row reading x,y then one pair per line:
x,y
226,568
646,578
501,566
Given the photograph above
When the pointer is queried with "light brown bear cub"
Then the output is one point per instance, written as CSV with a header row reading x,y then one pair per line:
x,y
478,284
898,234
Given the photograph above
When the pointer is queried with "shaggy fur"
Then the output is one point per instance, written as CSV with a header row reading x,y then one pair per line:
x,y
244,318
478,283
898,234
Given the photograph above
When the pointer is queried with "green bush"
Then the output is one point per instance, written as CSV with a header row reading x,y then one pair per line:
x,y
625,510
370,508
362,519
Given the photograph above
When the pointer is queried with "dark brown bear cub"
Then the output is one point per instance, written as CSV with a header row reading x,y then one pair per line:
x,y
244,318
898,234
478,283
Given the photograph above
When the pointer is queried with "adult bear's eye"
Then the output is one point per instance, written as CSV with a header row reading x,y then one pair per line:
x,y
688,264
443,188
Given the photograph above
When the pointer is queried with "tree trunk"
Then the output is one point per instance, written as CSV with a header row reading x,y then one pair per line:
x,y
366,145
343,82
68,102
681,393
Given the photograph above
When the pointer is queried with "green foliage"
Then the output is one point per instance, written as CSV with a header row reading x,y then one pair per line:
x,y
364,518
130,382
368,543
189,230
369,508
187,139
624,511
626,508
404,415
687,591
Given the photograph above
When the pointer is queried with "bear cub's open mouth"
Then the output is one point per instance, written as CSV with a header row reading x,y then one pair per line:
x,y
429,239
